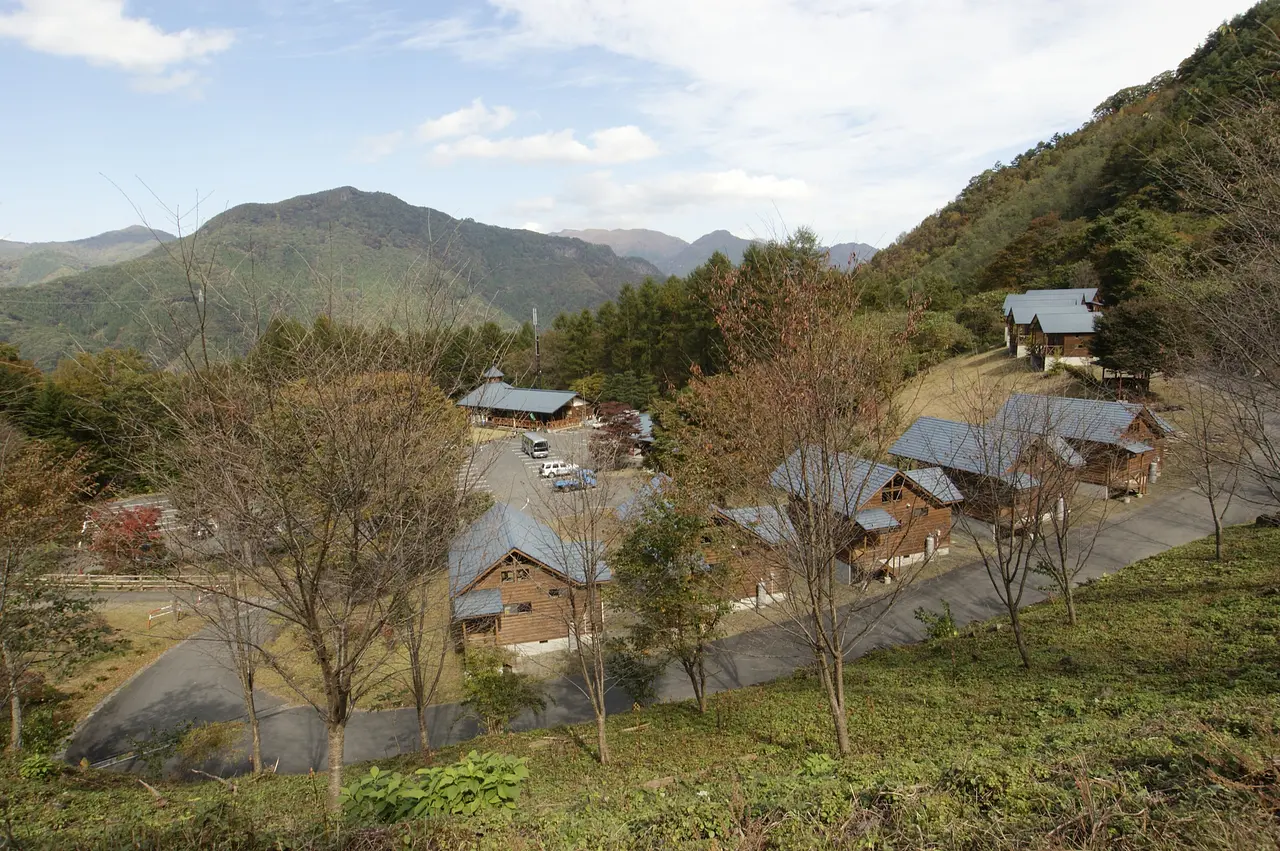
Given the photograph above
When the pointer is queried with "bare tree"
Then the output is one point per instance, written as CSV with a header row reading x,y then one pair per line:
x,y
1230,291
338,480
580,508
1211,449
793,430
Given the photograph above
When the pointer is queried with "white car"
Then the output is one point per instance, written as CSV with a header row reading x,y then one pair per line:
x,y
551,469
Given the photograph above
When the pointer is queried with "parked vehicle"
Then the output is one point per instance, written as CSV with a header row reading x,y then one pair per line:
x,y
551,469
579,480
534,445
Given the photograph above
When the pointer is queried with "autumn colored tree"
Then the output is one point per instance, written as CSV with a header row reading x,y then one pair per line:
x,y
42,624
127,538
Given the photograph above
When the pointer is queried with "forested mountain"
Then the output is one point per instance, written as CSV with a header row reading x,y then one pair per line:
x,y
350,253
674,256
24,263
656,247
1104,205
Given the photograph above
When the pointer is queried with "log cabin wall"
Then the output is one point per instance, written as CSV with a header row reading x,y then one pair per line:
x,y
548,596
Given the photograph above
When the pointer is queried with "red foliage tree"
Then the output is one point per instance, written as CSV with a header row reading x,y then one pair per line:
x,y
123,538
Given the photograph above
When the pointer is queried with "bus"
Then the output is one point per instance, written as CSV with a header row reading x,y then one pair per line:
x,y
534,445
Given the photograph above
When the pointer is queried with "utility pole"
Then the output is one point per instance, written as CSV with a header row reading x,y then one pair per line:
x,y
537,353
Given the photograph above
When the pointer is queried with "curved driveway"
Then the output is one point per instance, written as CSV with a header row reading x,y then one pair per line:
x,y
189,684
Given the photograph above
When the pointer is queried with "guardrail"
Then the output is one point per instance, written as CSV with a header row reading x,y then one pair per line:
x,y
165,611
132,582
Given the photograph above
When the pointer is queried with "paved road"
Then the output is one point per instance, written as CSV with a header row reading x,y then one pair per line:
x,y
188,683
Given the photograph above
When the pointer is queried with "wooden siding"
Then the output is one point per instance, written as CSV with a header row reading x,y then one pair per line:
x,y
550,616
901,498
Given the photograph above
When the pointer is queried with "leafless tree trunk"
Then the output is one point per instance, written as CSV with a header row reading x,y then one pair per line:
x,y
1211,450
1230,291
793,431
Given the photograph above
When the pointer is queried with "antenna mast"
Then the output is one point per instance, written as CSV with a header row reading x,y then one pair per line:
x,y
537,352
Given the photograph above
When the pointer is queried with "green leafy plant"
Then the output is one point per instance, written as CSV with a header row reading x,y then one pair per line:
x,y
38,767
476,782
819,765
937,626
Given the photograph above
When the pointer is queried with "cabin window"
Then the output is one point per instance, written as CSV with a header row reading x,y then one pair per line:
x,y
920,511
892,494
518,574
517,608
555,592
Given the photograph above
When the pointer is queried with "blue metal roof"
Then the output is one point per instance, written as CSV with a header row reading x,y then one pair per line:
x,y
935,481
1024,311
838,479
642,498
502,529
1075,322
1090,420
493,372
963,446
875,520
766,522
501,396
478,603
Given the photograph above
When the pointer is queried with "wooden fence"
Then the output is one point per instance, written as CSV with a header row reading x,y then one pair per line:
x,y
132,582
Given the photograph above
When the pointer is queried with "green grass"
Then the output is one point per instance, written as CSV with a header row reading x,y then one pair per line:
x,y
1153,724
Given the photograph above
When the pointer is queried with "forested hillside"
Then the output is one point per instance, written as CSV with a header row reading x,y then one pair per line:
x,y
25,263
1107,205
354,254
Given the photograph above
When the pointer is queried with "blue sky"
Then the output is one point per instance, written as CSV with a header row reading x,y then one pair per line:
x,y
856,117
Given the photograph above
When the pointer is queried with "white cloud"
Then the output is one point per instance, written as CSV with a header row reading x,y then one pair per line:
x,y
370,149
601,192
536,227
883,107
610,146
470,120
100,32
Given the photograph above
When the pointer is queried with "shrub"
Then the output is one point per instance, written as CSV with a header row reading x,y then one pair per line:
x,y
937,626
496,693
819,765
636,671
476,782
38,767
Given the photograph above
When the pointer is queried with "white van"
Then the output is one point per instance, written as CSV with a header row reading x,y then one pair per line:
x,y
556,468
534,445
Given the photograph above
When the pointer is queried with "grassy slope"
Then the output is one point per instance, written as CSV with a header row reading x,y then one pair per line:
x,y
1151,725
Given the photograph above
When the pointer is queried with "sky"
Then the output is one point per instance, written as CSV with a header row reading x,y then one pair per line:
x,y
857,118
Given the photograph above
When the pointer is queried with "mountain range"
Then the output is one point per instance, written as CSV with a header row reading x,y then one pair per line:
x,y
26,263
344,251
674,256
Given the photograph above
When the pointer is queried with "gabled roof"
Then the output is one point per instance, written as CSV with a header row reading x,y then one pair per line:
x,y
764,521
493,372
646,495
501,396
1085,294
964,446
502,529
935,481
1075,322
1024,311
478,603
840,479
1091,420
875,519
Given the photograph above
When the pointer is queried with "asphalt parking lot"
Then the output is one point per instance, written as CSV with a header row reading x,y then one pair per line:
x,y
501,468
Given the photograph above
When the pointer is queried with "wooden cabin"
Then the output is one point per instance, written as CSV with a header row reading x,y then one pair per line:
x,y
894,518
1000,473
514,582
1055,337
1021,308
1121,443
497,404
